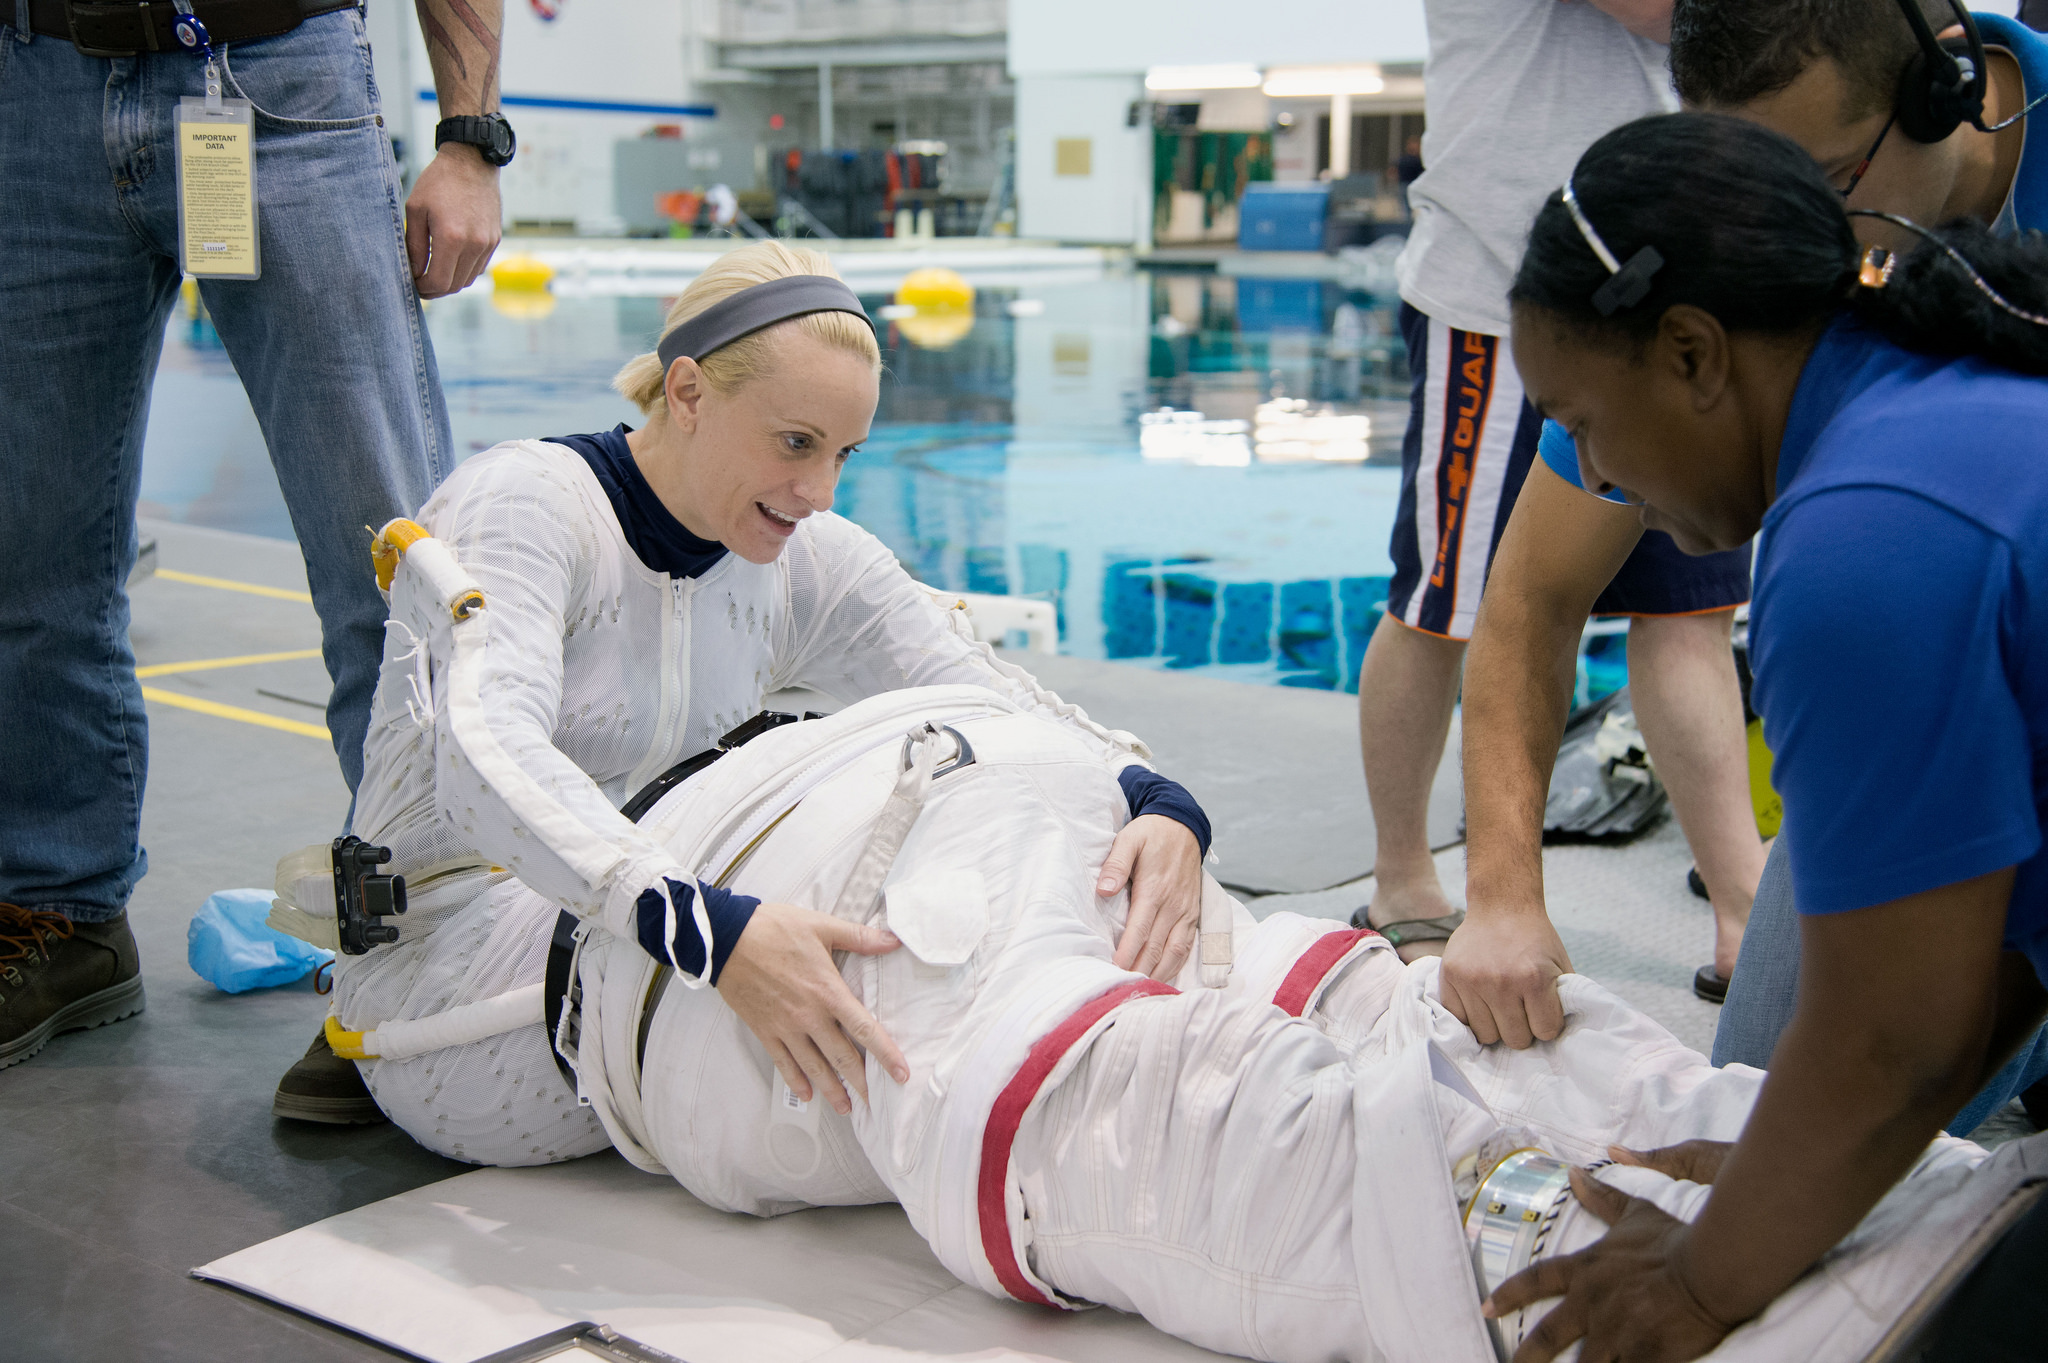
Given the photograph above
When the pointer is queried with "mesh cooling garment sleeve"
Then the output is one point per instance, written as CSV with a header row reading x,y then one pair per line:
x,y
856,625
531,544
1899,743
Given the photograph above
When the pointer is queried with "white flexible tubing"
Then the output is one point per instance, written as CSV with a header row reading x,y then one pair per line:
x,y
583,852
444,576
563,833
456,1027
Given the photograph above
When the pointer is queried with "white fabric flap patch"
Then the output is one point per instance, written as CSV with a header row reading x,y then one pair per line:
x,y
941,915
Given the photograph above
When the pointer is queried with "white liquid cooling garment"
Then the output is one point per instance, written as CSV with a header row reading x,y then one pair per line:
x,y
1270,1169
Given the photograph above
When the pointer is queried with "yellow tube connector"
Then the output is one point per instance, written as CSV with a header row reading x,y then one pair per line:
x,y
346,1044
390,545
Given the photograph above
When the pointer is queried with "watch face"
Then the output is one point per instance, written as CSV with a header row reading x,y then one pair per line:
x,y
503,143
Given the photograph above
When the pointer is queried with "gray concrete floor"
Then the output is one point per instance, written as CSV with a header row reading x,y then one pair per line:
x,y
139,1150
136,1151
1275,767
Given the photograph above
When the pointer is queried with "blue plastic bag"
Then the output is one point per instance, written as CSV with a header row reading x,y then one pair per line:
x,y
229,944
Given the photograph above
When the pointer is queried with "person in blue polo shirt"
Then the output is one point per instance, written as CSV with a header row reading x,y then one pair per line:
x,y
1696,312
1833,76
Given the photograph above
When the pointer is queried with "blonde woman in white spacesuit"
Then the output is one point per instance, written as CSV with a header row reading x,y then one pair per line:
x,y
1293,1152
646,589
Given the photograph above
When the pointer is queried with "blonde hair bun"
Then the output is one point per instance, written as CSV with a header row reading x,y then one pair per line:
x,y
733,366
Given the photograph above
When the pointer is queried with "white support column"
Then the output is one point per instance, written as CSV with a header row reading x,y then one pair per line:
x,y
1340,136
826,139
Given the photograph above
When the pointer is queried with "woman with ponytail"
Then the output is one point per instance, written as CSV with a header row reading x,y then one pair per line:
x,y
1695,310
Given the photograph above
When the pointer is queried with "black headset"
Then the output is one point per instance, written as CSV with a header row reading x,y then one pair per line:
x,y
1943,86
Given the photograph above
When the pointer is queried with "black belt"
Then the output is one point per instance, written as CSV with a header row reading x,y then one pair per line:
x,y
130,30
562,949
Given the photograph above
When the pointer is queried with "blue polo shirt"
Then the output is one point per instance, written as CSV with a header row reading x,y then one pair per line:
x,y
2026,207
1900,629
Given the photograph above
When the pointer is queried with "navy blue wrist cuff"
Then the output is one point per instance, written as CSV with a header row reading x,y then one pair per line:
x,y
1147,792
728,913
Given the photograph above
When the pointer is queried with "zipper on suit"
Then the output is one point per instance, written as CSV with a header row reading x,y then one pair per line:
x,y
674,703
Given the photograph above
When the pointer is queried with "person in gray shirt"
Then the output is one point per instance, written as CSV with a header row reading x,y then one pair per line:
x,y
1515,92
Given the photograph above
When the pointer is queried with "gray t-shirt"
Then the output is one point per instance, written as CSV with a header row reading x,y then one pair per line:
x,y
1515,90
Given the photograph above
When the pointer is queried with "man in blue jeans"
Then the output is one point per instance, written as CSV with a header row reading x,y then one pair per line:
x,y
329,343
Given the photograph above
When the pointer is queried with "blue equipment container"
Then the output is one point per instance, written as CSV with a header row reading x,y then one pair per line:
x,y
1274,217
1269,305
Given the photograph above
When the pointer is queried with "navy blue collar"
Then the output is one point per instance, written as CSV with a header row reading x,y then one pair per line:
x,y
654,534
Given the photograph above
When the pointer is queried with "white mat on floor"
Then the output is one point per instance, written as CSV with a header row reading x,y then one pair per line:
x,y
461,1269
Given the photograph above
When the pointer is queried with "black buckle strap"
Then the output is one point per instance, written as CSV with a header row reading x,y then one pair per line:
x,y
555,992
562,949
134,28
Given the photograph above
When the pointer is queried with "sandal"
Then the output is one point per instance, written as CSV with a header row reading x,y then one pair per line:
x,y
1708,984
1411,930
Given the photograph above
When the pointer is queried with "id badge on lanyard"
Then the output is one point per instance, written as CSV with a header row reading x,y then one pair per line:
x,y
216,141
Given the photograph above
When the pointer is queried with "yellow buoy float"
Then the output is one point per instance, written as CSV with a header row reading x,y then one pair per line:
x,y
519,286
521,273
934,307
935,290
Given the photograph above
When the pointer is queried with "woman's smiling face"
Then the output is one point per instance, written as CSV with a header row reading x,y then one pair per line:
x,y
756,461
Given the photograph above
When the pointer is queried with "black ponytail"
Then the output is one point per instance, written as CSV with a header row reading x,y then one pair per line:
x,y
1933,306
1751,232
1748,229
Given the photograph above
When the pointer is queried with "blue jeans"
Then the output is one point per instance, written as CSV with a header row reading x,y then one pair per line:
x,y
329,343
1766,983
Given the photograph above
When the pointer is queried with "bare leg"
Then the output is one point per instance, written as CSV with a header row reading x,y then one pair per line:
x,y
1406,690
1689,704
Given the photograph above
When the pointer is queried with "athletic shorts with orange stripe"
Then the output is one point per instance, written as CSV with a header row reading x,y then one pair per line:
x,y
1471,439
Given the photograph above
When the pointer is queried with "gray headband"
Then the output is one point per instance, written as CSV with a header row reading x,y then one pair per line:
x,y
751,309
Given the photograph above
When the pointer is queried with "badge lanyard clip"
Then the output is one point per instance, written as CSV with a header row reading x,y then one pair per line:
x,y
216,169
191,33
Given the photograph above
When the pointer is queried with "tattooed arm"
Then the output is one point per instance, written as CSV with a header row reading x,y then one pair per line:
x,y
453,217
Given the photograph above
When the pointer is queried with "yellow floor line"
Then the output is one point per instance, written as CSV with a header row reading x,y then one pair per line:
x,y
236,712
208,664
227,584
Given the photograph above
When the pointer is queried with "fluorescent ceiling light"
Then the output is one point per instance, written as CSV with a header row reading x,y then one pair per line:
x,y
1202,78
1303,82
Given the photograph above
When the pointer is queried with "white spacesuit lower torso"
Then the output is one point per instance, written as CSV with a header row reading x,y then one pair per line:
x,y
1267,1169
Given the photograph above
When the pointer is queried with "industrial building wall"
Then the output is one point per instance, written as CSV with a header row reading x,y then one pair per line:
x,y
1080,64
593,53
1083,173
1073,37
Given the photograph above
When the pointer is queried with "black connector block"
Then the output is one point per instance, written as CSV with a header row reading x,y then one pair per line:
x,y
363,897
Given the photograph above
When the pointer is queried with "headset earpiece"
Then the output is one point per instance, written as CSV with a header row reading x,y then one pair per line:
x,y
1943,86
1936,98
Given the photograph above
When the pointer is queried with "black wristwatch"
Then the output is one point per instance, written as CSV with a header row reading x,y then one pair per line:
x,y
490,134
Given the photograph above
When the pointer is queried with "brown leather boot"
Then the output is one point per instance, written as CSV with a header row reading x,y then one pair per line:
x,y
60,976
322,1087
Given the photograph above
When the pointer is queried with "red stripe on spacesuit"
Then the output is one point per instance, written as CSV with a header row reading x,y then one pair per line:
x,y
1312,965
991,1202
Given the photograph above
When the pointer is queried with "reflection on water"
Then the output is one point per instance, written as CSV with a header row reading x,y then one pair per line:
x,y
1008,461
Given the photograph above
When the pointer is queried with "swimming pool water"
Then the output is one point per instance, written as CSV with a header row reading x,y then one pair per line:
x,y
1007,461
